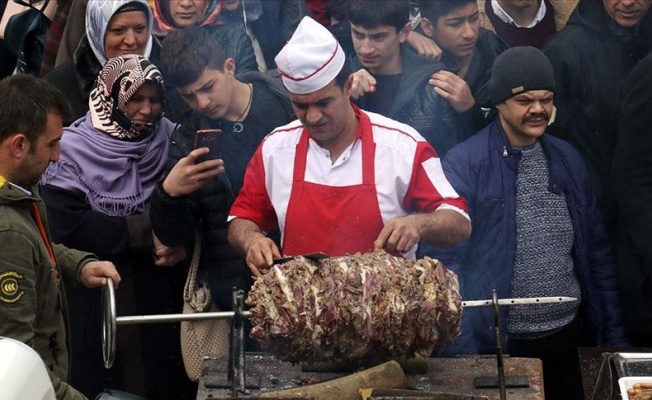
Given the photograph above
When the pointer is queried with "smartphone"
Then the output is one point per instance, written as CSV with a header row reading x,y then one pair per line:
x,y
208,138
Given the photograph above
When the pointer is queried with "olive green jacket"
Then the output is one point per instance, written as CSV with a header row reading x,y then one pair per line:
x,y
32,299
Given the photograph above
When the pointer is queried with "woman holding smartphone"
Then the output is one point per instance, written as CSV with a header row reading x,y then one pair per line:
x,y
97,197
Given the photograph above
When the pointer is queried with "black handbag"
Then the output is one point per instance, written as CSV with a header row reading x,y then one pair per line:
x,y
25,36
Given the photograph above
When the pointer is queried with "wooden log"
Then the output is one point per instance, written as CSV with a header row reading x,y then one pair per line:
x,y
388,375
403,394
412,366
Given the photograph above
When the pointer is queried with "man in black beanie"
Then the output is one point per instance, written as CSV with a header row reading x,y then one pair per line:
x,y
537,231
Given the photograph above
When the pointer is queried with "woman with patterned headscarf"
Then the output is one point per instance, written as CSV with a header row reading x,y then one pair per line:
x,y
97,196
113,28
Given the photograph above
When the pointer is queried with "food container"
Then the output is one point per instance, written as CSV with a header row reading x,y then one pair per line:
x,y
628,382
633,364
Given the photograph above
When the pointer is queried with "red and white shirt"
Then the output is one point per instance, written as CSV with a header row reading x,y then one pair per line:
x,y
407,172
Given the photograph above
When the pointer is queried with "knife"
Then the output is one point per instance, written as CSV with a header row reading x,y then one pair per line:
x,y
309,256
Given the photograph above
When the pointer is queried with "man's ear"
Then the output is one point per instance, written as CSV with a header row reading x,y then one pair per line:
x,y
348,85
404,32
17,144
426,26
229,66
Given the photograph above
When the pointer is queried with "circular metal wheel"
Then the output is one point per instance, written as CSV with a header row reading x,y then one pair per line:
x,y
109,324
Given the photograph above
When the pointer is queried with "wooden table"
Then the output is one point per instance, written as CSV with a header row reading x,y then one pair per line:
x,y
454,375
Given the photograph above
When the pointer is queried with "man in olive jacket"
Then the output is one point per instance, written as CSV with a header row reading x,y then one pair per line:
x,y
32,299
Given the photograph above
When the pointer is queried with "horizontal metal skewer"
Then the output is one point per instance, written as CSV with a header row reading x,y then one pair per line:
x,y
518,302
153,319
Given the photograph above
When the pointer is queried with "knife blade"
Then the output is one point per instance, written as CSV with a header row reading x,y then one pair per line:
x,y
309,256
519,301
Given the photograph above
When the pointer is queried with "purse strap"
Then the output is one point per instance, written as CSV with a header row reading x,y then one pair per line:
x,y
191,282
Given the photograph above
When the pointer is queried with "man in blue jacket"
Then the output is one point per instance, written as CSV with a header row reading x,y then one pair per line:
x,y
537,231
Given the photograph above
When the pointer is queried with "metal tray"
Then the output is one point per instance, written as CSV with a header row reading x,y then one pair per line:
x,y
633,364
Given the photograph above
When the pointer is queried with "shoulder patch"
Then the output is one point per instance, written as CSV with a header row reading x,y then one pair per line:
x,y
10,291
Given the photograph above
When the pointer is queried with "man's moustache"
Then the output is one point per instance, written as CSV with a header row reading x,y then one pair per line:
x,y
543,116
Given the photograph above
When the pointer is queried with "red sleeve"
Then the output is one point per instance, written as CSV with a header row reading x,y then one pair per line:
x,y
429,189
253,201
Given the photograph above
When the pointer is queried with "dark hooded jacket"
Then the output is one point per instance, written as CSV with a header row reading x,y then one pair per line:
x,y
632,170
175,219
591,57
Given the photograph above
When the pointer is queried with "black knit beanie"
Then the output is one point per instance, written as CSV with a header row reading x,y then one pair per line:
x,y
517,70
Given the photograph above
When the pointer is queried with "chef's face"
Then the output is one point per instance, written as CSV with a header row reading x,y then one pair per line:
x,y
324,112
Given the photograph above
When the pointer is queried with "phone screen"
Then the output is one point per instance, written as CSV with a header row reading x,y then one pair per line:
x,y
208,138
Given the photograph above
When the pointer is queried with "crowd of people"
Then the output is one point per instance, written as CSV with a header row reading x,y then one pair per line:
x,y
502,137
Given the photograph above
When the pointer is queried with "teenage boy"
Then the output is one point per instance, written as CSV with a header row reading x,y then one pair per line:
x,y
467,54
390,78
197,195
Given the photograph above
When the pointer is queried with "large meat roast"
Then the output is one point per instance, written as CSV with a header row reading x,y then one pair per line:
x,y
363,307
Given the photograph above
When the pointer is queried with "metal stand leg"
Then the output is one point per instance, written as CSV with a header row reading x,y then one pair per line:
x,y
499,347
502,382
237,356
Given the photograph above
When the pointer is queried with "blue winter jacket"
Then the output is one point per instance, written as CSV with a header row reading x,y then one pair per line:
x,y
483,170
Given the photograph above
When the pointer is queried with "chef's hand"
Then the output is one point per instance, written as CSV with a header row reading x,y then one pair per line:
x,y
398,235
362,82
94,274
453,89
187,176
424,45
165,256
261,252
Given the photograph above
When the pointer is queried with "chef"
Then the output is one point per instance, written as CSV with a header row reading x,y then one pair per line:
x,y
340,180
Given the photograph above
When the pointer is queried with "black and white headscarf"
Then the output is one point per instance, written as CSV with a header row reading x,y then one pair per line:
x,y
120,78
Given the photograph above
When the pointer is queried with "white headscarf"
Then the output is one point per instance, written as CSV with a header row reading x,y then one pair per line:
x,y
98,14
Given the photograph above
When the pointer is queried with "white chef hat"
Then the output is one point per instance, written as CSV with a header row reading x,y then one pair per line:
x,y
311,59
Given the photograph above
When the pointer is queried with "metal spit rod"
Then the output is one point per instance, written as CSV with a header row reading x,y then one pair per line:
x,y
153,319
